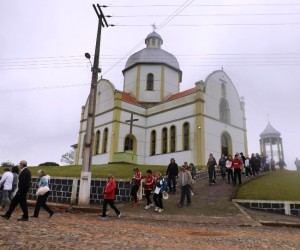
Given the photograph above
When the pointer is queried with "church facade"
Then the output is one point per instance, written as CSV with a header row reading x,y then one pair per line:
x,y
151,121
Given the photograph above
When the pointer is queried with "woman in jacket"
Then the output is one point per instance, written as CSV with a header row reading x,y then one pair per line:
x,y
42,198
109,196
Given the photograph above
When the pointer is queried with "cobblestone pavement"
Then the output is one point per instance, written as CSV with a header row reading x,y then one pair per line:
x,y
211,222
87,231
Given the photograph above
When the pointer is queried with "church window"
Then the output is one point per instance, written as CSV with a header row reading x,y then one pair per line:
x,y
223,90
150,81
105,138
153,142
173,139
128,143
152,42
224,111
164,140
186,136
97,143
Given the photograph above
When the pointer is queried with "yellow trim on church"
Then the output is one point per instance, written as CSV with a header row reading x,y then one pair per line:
x,y
199,133
138,83
115,125
162,85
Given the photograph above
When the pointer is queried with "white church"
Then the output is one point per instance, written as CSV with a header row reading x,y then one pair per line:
x,y
151,120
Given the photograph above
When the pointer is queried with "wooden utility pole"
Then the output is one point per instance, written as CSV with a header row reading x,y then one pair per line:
x,y
85,179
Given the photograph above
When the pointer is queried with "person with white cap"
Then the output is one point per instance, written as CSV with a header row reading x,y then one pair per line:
x,y
21,195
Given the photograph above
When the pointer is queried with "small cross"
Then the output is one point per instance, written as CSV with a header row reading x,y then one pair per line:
x,y
154,27
131,123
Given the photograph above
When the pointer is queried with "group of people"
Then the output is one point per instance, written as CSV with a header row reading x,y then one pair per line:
x,y
16,185
234,167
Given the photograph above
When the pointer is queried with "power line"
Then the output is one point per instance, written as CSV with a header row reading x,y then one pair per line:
x,y
203,5
217,14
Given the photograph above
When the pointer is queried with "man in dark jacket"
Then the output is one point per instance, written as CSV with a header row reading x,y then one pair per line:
x,y
172,173
21,195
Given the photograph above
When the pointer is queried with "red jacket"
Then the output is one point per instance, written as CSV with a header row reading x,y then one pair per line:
x,y
149,182
109,192
138,177
236,163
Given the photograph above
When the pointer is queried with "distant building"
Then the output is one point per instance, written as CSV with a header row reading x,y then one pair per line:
x,y
271,143
186,125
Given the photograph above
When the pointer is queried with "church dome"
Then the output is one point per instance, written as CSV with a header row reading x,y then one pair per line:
x,y
270,132
152,54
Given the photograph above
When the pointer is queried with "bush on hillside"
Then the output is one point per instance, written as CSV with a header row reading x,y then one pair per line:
x,y
49,164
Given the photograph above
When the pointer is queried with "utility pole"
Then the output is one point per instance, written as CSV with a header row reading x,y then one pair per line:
x,y
85,178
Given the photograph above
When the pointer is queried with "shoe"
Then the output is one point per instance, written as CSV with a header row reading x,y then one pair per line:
x,y
103,217
50,215
192,193
156,209
179,205
22,219
4,216
32,216
119,215
147,207
135,204
151,205
160,210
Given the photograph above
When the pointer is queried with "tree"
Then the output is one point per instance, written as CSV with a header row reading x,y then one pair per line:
x,y
68,157
7,164
49,164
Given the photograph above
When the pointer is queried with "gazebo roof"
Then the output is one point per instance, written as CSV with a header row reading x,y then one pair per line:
x,y
270,132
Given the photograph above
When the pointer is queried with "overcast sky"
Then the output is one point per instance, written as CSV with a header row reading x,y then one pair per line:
x,y
45,78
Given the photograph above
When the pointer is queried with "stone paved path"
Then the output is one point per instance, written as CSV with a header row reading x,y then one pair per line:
x,y
211,222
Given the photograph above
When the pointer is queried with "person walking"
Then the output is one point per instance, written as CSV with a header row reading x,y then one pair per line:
x,y
172,174
6,185
135,185
148,187
222,166
184,182
248,166
253,165
237,166
21,195
15,172
109,197
42,198
229,169
211,164
160,189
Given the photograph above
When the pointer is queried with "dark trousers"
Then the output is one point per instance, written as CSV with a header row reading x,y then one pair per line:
x,y
111,204
254,170
248,171
41,202
223,172
229,174
185,191
20,198
148,195
158,200
133,192
237,174
211,174
172,183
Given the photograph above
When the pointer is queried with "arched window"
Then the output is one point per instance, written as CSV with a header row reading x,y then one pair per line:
x,y
224,111
223,90
97,143
153,142
105,138
186,136
128,146
164,140
173,139
150,81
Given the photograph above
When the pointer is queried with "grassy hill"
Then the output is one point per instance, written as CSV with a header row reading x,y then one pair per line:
x,y
120,171
279,185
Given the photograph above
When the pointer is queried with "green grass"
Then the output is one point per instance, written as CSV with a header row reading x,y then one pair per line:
x,y
120,171
279,185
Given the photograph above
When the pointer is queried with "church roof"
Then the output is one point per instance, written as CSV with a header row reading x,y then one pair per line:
x,y
152,54
181,94
270,131
126,97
